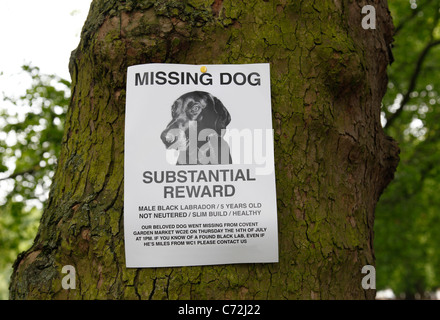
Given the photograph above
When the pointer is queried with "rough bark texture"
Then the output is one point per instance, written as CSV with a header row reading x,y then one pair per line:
x,y
332,158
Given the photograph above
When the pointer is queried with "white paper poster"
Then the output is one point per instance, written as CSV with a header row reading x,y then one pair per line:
x,y
199,166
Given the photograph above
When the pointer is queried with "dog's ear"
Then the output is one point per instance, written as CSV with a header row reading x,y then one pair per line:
x,y
223,116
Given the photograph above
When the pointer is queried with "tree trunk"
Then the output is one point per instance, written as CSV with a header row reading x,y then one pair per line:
x,y
328,76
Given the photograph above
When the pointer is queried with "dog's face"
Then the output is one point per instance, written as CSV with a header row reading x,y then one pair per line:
x,y
200,108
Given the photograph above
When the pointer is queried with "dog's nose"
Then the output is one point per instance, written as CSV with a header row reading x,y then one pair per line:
x,y
170,137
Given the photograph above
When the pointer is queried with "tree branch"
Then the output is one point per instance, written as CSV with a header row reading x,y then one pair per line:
x,y
410,17
413,82
20,173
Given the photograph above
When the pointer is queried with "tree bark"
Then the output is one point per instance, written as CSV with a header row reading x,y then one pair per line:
x,y
328,76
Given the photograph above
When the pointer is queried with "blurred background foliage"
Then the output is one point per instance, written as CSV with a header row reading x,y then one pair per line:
x,y
407,225
407,241
31,129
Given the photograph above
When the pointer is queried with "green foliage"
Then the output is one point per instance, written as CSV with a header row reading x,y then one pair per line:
x,y
30,139
408,213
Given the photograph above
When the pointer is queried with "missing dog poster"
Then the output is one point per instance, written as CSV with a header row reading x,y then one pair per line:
x,y
199,172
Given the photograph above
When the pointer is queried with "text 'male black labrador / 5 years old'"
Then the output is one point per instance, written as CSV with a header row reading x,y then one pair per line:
x,y
197,128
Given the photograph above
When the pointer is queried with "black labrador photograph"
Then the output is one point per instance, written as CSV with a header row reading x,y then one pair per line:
x,y
197,128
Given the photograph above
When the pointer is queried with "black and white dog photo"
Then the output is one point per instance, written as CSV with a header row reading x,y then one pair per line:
x,y
197,128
